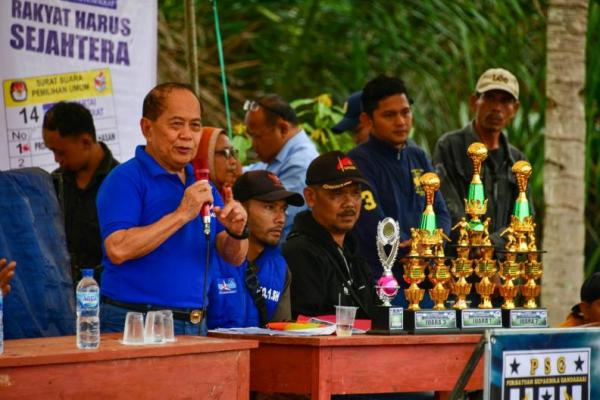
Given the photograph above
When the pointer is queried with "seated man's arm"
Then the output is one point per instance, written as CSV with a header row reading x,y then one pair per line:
x,y
7,271
283,312
308,288
127,244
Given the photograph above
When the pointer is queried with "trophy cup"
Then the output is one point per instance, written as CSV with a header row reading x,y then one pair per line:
x,y
477,241
427,247
387,319
522,254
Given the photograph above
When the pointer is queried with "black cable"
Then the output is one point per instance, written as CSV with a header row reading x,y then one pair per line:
x,y
205,290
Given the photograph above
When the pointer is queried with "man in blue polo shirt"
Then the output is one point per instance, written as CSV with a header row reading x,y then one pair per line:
x,y
155,253
258,291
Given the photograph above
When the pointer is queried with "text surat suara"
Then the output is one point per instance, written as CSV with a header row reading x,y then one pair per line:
x,y
83,46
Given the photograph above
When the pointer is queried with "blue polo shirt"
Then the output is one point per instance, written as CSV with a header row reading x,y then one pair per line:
x,y
139,193
230,302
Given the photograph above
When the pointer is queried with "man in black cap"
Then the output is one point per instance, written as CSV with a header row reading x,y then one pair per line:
x,y
588,311
351,121
320,250
257,292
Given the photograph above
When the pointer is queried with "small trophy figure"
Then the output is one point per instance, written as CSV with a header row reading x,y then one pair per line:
x,y
509,270
532,270
463,234
485,268
461,269
387,319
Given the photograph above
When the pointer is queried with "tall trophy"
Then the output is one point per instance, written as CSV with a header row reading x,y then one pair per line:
x,y
427,253
387,319
480,252
521,259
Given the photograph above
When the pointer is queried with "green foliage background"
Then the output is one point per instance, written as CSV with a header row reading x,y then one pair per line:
x,y
302,49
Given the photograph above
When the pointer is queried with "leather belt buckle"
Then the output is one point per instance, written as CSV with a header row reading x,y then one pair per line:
x,y
195,316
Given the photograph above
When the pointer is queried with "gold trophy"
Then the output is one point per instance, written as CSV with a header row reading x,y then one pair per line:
x,y
427,247
510,270
462,267
522,259
485,268
439,276
532,270
476,242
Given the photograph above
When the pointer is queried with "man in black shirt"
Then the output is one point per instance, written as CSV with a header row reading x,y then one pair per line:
x,y
321,251
69,132
494,104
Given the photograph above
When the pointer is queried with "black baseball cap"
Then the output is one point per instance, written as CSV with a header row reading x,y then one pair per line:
x,y
352,110
333,170
590,290
266,186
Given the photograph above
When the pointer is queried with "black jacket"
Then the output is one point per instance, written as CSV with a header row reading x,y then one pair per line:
x,y
456,170
320,274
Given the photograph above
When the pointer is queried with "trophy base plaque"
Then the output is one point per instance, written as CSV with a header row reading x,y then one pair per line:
x,y
430,321
387,321
479,319
525,318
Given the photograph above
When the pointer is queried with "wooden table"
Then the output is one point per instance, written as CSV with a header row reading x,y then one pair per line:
x,y
192,367
326,365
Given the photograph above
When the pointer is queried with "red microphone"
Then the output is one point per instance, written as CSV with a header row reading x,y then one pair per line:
x,y
201,171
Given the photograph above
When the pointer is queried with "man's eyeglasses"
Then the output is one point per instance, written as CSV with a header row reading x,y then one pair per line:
x,y
228,152
254,105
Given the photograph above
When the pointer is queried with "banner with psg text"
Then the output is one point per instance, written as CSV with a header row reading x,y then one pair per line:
x,y
100,53
544,364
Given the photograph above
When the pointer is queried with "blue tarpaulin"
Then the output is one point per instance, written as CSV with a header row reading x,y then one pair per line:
x,y
32,233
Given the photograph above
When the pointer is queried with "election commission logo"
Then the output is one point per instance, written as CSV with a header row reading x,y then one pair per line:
x,y
546,375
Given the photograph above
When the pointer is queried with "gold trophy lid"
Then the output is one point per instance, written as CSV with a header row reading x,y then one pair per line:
x,y
522,170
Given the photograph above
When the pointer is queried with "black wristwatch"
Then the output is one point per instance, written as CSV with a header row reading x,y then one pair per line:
x,y
244,235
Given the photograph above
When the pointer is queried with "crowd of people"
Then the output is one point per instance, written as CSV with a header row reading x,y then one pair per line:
x,y
293,234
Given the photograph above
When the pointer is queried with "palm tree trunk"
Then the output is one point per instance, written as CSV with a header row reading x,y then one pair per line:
x,y
564,172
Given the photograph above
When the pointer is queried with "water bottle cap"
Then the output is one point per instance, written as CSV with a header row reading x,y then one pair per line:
x,y
87,272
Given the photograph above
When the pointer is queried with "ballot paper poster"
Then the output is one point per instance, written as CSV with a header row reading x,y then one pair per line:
x,y
100,53
545,364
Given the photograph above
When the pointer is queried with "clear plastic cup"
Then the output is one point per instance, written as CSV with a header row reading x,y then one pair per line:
x,y
344,320
154,331
133,334
168,325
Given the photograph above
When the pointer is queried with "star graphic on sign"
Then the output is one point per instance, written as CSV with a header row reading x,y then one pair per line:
x,y
547,396
514,367
579,364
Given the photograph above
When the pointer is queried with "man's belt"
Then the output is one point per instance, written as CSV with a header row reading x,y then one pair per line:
x,y
193,316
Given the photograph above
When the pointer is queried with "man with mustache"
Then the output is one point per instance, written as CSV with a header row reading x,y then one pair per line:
x,y
321,251
494,105
394,168
258,291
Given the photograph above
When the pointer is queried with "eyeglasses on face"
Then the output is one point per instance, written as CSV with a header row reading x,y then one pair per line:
x,y
228,152
254,105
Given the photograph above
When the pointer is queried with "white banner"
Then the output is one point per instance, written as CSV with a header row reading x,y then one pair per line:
x,y
101,53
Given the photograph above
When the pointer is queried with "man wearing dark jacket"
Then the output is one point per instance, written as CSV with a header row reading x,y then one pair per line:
x,y
494,104
84,162
393,168
321,251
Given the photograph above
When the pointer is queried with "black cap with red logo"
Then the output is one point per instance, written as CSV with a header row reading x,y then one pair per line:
x,y
334,170
265,186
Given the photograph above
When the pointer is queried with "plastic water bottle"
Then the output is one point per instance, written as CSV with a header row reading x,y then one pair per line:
x,y
1,324
88,310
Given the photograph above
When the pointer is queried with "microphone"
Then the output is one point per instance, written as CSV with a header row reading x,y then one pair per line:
x,y
201,171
